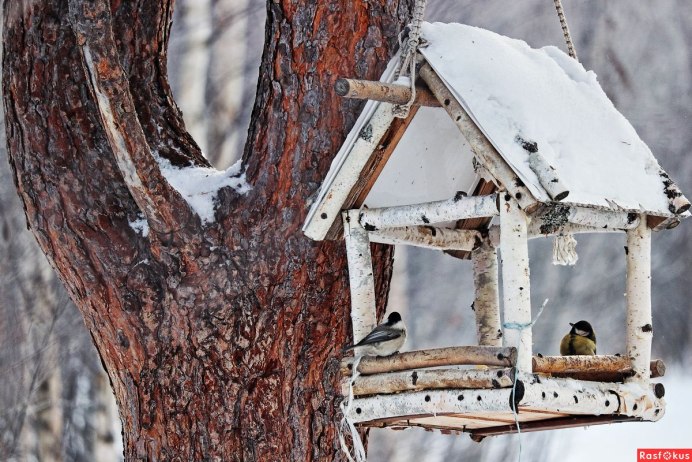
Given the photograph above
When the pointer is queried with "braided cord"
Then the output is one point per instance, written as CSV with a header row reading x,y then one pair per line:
x,y
408,57
565,29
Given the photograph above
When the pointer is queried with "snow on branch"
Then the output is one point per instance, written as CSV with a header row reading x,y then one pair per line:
x,y
159,202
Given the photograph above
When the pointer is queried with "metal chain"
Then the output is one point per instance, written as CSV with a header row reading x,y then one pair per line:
x,y
565,29
408,57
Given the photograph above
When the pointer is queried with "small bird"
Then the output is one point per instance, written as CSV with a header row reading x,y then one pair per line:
x,y
581,340
385,339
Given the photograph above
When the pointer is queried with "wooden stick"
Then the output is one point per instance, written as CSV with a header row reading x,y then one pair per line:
x,y
394,382
565,219
547,176
550,395
348,174
638,291
678,203
437,357
661,223
361,281
515,281
602,219
457,208
599,364
428,237
381,91
486,304
536,229
484,151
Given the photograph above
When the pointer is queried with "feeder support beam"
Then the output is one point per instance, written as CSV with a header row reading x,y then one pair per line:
x,y
428,237
515,280
639,324
382,91
486,304
362,283
457,208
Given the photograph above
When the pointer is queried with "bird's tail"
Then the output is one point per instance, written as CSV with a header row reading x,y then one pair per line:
x,y
348,348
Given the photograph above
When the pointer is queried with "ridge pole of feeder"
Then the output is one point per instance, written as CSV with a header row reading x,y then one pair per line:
x,y
486,304
514,250
638,293
361,280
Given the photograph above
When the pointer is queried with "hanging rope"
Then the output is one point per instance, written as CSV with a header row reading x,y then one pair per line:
x,y
347,424
565,250
408,57
565,29
520,327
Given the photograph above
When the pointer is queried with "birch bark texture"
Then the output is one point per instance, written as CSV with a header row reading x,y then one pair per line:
x,y
516,283
639,323
221,339
360,276
486,304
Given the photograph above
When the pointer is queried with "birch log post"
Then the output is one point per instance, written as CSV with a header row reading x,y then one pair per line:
x,y
382,91
486,304
367,141
428,237
360,275
484,151
395,382
602,219
457,208
515,280
639,328
551,395
677,202
602,368
536,229
436,357
547,176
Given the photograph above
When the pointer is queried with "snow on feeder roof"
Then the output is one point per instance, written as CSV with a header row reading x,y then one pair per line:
x,y
553,128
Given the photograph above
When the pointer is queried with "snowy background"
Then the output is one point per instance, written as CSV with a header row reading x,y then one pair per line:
x,y
55,403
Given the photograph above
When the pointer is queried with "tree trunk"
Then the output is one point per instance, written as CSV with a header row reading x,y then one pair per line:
x,y
222,339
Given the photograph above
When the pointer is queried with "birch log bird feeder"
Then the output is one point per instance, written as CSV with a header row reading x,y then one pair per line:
x,y
525,138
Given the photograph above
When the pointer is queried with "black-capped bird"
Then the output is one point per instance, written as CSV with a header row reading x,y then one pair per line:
x,y
581,340
385,339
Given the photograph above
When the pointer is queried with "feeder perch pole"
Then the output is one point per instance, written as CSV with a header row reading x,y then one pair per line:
x,y
515,280
362,283
639,326
486,304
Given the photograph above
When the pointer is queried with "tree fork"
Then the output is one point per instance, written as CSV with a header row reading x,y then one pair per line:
x,y
222,341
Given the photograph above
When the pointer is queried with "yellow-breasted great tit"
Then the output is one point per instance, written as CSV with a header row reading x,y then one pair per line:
x,y
581,340
385,339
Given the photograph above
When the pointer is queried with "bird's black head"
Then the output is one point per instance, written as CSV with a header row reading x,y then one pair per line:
x,y
393,318
584,329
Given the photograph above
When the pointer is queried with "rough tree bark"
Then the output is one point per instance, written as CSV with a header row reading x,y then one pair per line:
x,y
222,341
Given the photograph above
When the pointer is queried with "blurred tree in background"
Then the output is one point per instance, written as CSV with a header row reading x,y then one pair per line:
x,y
55,402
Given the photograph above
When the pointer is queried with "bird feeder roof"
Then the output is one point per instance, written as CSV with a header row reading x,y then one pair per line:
x,y
523,100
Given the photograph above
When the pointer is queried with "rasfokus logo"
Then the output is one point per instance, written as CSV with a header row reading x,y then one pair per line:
x,y
664,454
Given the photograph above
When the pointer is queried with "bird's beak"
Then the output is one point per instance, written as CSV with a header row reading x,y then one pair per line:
x,y
571,324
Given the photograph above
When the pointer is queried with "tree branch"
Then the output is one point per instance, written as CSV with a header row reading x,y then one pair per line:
x,y
162,205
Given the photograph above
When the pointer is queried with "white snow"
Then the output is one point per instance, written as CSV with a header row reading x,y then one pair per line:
x,y
200,185
546,97
140,225
618,442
